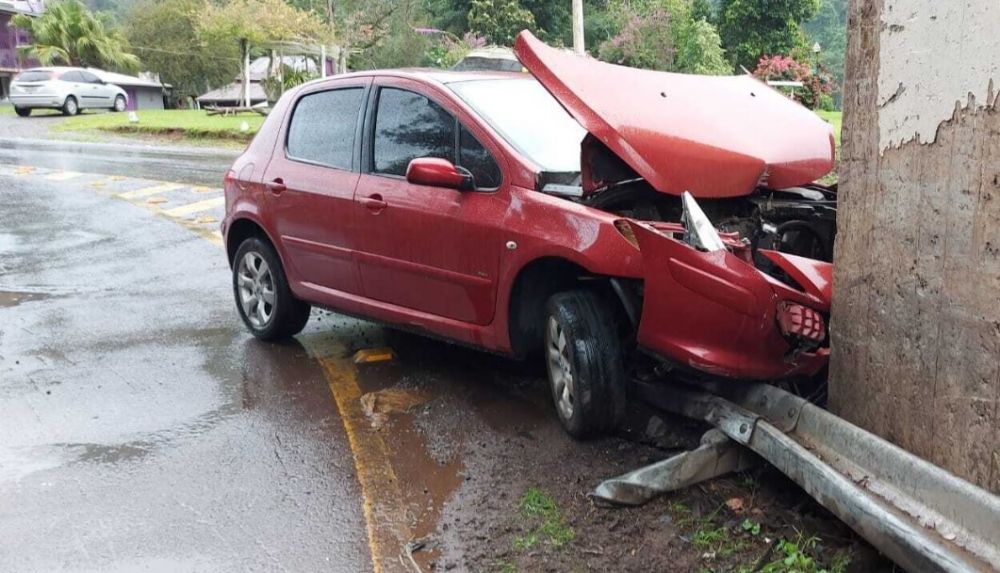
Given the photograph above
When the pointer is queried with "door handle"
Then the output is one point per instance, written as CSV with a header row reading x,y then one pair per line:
x,y
374,203
277,186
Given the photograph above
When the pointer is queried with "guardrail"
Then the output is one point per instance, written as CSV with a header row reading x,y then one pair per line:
x,y
921,516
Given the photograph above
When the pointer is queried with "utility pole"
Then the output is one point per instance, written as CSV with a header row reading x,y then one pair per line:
x,y
578,27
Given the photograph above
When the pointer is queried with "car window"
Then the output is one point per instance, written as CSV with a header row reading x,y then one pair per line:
x,y
89,78
528,117
34,76
408,126
323,127
71,77
478,160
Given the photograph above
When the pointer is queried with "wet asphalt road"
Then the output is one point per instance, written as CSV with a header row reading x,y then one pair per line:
x,y
142,429
136,159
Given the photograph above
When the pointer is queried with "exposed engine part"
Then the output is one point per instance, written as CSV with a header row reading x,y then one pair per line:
x,y
799,221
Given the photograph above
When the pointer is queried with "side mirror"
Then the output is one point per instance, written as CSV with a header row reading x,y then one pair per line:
x,y
437,172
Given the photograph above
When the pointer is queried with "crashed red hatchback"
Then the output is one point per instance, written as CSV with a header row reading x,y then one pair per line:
x,y
614,220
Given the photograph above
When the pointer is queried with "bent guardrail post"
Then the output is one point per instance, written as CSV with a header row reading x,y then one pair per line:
x,y
717,455
918,514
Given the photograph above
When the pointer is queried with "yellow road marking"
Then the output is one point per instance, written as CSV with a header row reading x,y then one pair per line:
x,y
63,176
369,355
154,190
24,170
388,529
198,207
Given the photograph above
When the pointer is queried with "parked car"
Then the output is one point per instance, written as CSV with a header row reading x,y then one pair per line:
x,y
67,89
560,214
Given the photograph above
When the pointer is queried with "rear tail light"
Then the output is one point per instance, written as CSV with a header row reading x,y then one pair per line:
x,y
797,321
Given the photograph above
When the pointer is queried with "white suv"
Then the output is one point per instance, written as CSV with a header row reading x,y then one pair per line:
x,y
66,89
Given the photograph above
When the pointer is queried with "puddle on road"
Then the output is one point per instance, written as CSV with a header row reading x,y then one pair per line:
x,y
422,403
13,298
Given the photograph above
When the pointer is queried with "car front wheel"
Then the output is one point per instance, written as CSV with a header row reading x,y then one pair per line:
x,y
22,111
70,106
585,363
119,104
263,299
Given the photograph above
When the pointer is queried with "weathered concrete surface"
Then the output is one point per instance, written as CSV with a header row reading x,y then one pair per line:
x,y
916,316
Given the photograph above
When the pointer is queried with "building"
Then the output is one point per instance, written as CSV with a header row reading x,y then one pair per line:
x,y
231,95
11,63
144,92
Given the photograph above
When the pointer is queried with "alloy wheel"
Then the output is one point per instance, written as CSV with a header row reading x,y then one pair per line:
x,y
560,368
256,289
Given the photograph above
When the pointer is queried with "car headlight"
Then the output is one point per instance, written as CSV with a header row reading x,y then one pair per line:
x,y
698,229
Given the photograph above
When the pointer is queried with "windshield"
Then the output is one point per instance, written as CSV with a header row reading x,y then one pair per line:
x,y
529,118
34,76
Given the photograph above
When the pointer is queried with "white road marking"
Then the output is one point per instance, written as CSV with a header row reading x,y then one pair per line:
x,y
155,190
63,176
198,207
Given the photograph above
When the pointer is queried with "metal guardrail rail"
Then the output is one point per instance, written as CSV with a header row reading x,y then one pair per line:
x,y
919,515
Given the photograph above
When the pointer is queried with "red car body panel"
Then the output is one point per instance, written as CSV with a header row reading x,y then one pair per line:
x,y
445,261
715,312
714,136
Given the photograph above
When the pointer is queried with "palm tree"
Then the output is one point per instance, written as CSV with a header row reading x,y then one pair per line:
x,y
69,33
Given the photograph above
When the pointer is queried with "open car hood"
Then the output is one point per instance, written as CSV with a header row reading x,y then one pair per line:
x,y
715,136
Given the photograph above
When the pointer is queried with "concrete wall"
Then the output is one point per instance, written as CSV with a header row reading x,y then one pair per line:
x,y
916,316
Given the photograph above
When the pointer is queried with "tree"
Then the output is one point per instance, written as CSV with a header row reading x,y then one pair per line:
x,y
69,33
499,21
249,23
664,35
552,19
164,33
829,28
751,29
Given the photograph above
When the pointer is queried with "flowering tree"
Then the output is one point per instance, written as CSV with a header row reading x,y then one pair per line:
x,y
663,35
447,50
816,87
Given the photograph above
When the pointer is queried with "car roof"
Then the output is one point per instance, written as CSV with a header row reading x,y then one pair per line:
x,y
431,75
56,69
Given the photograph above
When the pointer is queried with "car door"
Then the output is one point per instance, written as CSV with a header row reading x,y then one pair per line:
x,y
311,179
90,89
105,91
430,249
74,86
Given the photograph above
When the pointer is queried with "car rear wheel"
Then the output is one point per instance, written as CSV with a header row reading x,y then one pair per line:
x,y
70,106
585,363
22,111
263,299
120,104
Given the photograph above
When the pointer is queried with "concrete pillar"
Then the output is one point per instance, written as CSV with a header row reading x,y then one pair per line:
x,y
916,313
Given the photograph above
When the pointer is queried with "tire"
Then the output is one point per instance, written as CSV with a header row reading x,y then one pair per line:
x,y
22,111
120,104
70,106
257,270
584,358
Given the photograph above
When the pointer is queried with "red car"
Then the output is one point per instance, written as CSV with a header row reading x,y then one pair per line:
x,y
554,213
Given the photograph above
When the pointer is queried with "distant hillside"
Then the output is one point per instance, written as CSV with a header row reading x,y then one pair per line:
x,y
117,8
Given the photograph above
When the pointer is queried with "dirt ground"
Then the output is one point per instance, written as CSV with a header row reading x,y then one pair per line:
x,y
515,487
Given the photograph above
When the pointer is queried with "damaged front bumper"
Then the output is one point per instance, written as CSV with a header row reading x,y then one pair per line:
x,y
708,307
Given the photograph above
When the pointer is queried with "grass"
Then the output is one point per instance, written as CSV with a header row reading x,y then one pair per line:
x,y
834,118
546,522
186,124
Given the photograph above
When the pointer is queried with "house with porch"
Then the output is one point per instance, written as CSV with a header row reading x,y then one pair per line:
x,y
11,63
